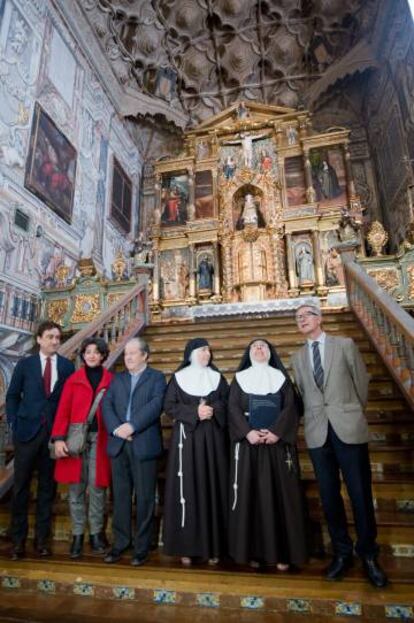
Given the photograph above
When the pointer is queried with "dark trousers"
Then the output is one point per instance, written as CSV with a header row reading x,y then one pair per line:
x,y
30,456
353,461
129,474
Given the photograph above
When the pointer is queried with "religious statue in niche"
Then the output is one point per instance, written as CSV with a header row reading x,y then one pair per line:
x,y
203,150
205,273
250,214
229,168
242,112
291,135
304,264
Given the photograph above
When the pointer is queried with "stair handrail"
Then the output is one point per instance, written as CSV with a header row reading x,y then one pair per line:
x,y
123,320
389,326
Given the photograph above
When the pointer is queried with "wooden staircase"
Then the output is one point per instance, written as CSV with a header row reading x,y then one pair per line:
x,y
163,581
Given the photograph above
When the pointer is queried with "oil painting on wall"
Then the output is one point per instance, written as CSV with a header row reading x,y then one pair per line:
x,y
174,199
204,202
295,181
328,176
175,274
51,165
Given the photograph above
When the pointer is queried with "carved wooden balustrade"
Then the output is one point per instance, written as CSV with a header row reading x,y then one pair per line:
x,y
390,327
122,321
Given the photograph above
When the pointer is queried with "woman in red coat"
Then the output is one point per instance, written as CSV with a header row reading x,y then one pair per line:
x,y
91,469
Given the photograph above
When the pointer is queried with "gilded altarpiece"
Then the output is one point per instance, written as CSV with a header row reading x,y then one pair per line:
x,y
251,210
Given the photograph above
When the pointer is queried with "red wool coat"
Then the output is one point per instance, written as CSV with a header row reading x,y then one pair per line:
x,y
74,406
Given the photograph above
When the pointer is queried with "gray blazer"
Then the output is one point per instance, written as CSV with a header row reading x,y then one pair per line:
x,y
344,397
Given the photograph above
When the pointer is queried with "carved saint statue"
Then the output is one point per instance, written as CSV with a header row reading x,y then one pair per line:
x,y
249,215
205,274
304,265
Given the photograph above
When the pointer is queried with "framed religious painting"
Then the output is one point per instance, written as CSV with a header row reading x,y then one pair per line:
x,y
174,198
328,176
204,200
51,165
295,181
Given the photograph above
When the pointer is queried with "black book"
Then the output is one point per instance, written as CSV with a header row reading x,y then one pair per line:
x,y
264,410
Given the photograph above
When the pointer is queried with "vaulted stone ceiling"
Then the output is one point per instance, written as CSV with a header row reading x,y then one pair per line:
x,y
200,56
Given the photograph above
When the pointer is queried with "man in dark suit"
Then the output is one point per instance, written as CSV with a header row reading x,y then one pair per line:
x,y
131,410
31,403
333,380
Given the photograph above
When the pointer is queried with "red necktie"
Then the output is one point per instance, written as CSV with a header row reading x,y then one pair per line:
x,y
47,377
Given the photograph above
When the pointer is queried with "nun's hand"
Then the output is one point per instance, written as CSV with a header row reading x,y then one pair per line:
x,y
254,437
205,412
268,436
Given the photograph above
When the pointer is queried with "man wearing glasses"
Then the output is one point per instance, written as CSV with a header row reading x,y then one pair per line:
x,y
333,381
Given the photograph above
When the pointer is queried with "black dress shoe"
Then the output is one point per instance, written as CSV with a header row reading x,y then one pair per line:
x,y
42,549
18,551
338,567
374,572
113,556
76,546
98,543
137,561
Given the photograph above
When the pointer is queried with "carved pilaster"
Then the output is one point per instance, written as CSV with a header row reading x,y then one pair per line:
x,y
310,191
350,184
192,286
317,259
293,281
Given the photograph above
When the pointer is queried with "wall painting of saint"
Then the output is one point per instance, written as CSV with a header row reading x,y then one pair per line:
x,y
174,199
295,181
51,165
328,176
204,200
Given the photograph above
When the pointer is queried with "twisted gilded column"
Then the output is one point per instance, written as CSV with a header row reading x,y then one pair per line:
x,y
193,270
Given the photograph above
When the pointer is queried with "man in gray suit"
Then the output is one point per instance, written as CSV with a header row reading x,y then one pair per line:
x,y
333,381
132,409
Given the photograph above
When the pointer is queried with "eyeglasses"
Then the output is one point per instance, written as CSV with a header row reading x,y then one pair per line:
x,y
305,315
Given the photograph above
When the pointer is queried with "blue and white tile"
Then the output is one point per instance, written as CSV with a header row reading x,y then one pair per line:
x,y
252,602
46,586
123,592
162,596
10,581
209,600
396,611
299,605
348,608
81,588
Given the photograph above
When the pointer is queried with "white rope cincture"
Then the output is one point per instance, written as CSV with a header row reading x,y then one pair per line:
x,y
180,472
236,474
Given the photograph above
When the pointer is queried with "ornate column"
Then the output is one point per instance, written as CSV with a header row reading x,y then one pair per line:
x,y
227,267
310,191
293,281
156,273
191,198
317,258
216,283
350,184
276,236
192,288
